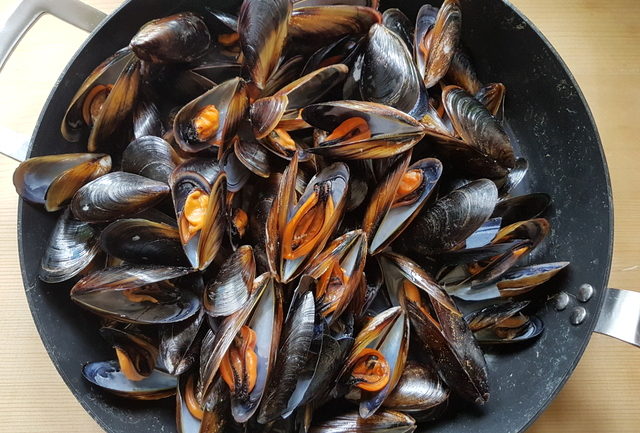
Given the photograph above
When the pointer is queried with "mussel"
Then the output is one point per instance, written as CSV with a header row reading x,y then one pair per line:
x,y
52,180
108,376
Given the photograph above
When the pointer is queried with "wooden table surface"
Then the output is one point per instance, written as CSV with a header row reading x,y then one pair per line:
x,y
599,40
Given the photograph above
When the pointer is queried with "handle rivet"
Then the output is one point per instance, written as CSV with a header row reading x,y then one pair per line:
x,y
585,292
578,315
562,300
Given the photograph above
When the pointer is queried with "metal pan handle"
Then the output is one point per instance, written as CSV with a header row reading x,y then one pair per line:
x,y
620,316
16,25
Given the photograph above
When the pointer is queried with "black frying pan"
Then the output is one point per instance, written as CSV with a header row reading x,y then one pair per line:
x,y
555,132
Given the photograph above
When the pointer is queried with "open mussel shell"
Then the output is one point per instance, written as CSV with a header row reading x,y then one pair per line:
x,y
405,208
297,335
262,26
484,235
180,343
435,46
116,195
177,38
477,127
451,219
150,157
324,24
384,421
339,269
511,283
389,75
107,376
419,389
386,335
112,129
136,294
230,289
490,316
73,245
198,188
265,298
290,242
186,421
82,112
212,118
266,113
138,240
522,207
345,50
136,354
52,180
503,334
362,130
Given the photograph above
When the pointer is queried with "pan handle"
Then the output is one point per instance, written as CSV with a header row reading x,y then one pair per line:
x,y
16,25
620,316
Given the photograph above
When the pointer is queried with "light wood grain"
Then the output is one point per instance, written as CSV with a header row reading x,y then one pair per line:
x,y
598,39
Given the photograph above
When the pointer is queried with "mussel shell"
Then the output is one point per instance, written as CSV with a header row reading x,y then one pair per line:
x,y
230,289
419,389
522,207
138,240
514,177
150,157
177,38
116,195
451,219
306,3
324,24
477,127
180,343
72,247
286,73
297,335
102,292
521,280
146,119
254,156
229,98
237,174
492,96
485,233
185,421
456,354
73,126
386,421
462,73
392,131
52,180
263,27
436,47
532,329
490,316
113,130
396,21
397,219
136,347
107,376
389,75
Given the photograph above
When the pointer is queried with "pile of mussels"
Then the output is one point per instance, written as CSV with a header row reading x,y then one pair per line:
x,y
259,191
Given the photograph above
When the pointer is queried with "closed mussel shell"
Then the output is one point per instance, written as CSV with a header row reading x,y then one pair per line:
x,y
230,289
52,180
150,157
384,421
452,219
138,240
177,38
108,376
396,21
73,245
420,388
116,195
